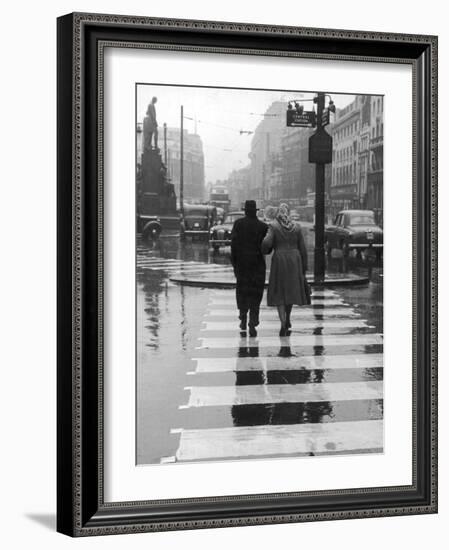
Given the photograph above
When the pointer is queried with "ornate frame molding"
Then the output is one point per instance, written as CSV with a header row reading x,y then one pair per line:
x,y
75,515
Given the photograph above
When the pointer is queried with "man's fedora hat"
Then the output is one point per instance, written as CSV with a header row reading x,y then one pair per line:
x,y
250,206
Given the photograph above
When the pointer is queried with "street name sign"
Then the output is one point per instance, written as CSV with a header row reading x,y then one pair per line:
x,y
304,119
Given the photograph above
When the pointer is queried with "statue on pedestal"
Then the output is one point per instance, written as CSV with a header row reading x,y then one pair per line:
x,y
150,126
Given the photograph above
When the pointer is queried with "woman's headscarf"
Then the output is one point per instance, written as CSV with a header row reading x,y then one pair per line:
x,y
283,217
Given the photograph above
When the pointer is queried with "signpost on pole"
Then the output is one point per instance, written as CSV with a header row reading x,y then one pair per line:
x,y
301,119
320,153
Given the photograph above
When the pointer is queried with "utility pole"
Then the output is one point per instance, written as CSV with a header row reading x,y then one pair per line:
x,y
181,166
320,153
319,263
165,144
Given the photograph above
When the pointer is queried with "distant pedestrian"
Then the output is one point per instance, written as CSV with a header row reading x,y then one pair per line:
x,y
249,265
287,284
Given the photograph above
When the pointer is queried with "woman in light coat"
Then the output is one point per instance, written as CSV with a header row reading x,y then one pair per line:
x,y
286,286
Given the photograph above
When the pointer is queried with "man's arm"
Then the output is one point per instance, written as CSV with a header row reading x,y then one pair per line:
x,y
234,243
268,241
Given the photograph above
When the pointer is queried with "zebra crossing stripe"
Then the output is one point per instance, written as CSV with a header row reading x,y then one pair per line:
x,y
200,268
162,261
168,266
323,302
297,313
302,324
293,340
280,440
206,268
305,362
213,396
316,293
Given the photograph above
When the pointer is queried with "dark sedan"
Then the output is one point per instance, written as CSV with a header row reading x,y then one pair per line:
x,y
220,235
354,230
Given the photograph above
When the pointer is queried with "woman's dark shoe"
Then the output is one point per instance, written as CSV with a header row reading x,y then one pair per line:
x,y
252,331
243,325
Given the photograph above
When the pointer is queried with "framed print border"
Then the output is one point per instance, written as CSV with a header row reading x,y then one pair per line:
x,y
82,39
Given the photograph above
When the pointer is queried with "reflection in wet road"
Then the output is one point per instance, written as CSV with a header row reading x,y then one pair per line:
x,y
206,393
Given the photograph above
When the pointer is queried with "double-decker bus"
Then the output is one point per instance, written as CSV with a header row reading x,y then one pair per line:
x,y
219,197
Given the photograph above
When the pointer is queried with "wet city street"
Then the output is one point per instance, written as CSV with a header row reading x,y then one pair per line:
x,y
204,392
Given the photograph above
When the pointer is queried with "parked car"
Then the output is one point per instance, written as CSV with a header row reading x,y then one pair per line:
x,y
220,214
197,220
354,230
220,234
149,227
294,216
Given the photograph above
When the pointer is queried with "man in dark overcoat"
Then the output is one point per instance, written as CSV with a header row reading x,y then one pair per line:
x,y
249,265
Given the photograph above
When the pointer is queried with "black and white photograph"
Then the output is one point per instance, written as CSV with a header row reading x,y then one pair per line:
x,y
259,273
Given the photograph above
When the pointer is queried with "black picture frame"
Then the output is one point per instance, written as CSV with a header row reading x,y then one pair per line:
x,y
81,510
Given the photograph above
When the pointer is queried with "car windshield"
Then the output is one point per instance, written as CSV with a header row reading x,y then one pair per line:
x,y
231,218
196,214
361,219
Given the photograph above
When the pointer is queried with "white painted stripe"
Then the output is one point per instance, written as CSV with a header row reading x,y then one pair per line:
x,y
206,267
169,265
320,302
306,362
299,325
231,292
280,440
208,396
162,261
271,313
172,269
293,340
197,268
168,262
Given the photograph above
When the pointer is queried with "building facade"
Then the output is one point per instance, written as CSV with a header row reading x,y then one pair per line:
x,y
357,157
344,191
238,185
298,174
374,194
280,170
265,154
194,177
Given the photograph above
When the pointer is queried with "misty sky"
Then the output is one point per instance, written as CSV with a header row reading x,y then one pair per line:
x,y
220,115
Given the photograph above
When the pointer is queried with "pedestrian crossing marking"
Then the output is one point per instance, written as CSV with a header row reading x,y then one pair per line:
x,y
271,313
293,340
323,302
328,312
224,326
207,396
280,440
230,293
306,362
